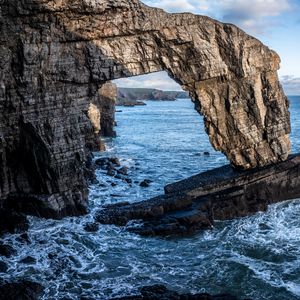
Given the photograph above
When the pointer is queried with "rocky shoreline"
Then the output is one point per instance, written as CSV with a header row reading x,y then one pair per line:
x,y
195,203
188,206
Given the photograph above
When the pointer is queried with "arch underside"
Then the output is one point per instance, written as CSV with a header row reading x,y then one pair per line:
x,y
56,55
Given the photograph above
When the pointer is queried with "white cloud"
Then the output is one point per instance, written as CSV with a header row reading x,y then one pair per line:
x,y
255,16
291,84
173,5
159,80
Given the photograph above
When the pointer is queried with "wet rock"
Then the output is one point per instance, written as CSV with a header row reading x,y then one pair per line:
x,y
103,161
12,222
111,172
52,255
113,184
128,180
6,250
206,153
121,213
145,183
121,177
29,260
3,267
24,238
160,292
123,170
115,161
48,206
21,290
196,202
91,227
102,147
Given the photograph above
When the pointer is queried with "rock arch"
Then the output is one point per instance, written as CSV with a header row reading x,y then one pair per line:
x,y
55,55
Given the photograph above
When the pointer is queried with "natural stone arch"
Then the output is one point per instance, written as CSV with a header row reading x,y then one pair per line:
x,y
230,75
56,54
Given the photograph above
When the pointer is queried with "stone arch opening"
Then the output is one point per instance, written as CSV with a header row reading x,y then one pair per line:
x,y
176,137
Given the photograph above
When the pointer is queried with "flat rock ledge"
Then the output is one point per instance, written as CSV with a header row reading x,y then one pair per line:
x,y
195,203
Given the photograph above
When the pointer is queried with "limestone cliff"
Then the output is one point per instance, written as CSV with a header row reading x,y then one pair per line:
x,y
56,54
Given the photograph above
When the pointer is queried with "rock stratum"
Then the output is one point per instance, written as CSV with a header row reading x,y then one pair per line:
x,y
57,55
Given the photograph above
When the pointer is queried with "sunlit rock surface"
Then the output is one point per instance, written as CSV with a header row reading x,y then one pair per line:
x,y
55,56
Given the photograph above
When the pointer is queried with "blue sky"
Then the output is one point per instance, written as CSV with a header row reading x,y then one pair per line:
x,y
275,22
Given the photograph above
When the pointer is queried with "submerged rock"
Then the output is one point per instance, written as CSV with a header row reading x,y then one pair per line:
x,y
123,170
145,183
12,222
21,290
160,292
29,260
3,267
6,250
91,227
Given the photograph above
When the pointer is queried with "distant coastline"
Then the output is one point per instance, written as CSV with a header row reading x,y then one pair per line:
x,y
136,96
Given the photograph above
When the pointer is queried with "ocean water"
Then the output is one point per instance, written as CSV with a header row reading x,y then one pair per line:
x,y
256,257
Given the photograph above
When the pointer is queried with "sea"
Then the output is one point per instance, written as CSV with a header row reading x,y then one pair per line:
x,y
255,257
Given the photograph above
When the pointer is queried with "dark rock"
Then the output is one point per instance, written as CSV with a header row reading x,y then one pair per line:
x,y
29,260
113,184
45,206
6,250
123,170
52,255
115,161
111,172
21,290
128,180
91,227
206,153
12,222
24,237
160,292
102,161
121,177
220,194
121,213
145,183
3,267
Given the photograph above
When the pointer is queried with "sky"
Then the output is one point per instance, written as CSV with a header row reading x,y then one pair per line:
x,y
275,22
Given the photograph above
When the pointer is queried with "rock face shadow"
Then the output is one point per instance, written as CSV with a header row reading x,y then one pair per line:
x,y
55,56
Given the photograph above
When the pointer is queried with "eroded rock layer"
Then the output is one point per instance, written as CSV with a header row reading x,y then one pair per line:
x,y
55,55
197,202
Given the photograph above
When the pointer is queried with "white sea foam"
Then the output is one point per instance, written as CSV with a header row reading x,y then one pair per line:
x,y
257,256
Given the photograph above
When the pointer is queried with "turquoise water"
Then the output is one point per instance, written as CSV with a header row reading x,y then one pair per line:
x,y
257,256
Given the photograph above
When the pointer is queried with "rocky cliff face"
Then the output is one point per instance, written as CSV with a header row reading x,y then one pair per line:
x,y
55,55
